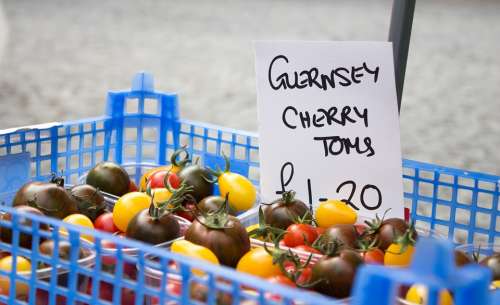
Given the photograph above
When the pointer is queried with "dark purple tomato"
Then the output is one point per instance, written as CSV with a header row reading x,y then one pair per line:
x,y
110,178
153,230
346,234
334,276
25,239
228,243
285,211
50,198
462,258
492,262
390,229
199,178
90,200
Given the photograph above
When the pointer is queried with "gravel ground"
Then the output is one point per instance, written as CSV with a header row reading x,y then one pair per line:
x,y
62,57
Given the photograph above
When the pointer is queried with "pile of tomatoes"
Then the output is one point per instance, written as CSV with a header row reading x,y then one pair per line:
x,y
320,251
167,197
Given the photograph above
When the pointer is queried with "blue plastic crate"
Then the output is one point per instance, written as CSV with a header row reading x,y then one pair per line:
x,y
142,128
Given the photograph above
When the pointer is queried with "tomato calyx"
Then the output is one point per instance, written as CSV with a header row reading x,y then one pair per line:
x,y
365,245
374,225
406,240
172,204
328,246
217,219
218,171
297,271
306,219
58,180
184,160
90,200
264,230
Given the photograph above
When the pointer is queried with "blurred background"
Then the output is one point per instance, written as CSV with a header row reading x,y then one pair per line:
x,y
59,58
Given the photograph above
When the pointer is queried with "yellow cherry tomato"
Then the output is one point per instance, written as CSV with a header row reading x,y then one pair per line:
x,y
417,294
190,249
259,263
79,220
495,284
333,212
160,195
22,265
395,257
242,192
150,172
127,207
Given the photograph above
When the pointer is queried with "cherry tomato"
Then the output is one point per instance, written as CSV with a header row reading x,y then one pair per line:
x,y
111,258
127,207
305,276
195,251
189,215
281,279
394,256
79,220
259,263
22,265
242,192
132,187
106,293
105,223
360,228
417,294
307,248
148,173
299,234
157,179
289,267
333,212
373,256
320,231
174,287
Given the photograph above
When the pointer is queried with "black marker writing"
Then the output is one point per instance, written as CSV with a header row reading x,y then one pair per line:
x,y
292,118
312,78
336,145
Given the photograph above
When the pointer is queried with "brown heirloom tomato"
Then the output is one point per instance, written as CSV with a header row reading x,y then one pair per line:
x,y
285,211
221,233
50,198
334,275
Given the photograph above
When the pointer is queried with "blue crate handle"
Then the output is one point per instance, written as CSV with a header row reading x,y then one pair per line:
x,y
166,120
433,266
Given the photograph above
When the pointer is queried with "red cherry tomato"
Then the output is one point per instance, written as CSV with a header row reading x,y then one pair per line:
x,y
360,228
105,223
305,276
174,287
320,231
289,267
108,259
281,279
132,187
187,214
106,293
307,248
373,256
299,234
157,179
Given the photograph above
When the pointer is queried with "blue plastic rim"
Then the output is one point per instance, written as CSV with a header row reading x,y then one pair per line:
x,y
142,127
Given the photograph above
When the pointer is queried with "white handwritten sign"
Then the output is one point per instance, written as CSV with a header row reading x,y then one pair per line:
x,y
328,123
